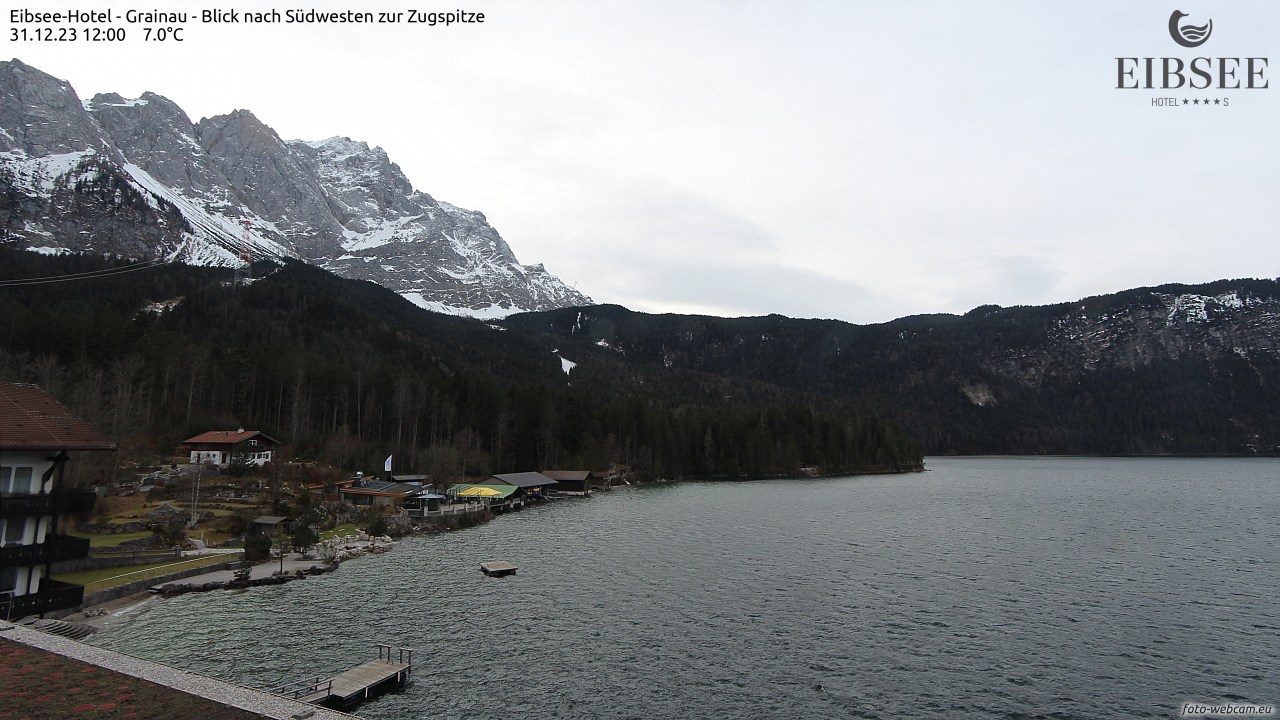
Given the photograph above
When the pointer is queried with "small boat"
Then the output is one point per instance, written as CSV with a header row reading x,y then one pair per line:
x,y
497,568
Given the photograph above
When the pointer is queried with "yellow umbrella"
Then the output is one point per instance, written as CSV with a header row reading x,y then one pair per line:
x,y
479,492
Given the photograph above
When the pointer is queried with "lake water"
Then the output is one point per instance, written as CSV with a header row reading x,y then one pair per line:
x,y
984,588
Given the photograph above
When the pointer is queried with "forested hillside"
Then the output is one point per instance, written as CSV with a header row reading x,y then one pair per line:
x,y
348,372
1173,369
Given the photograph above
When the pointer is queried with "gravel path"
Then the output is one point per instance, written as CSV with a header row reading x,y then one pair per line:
x,y
292,563
257,701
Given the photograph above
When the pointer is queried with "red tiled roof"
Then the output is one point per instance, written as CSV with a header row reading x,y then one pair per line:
x,y
31,420
226,437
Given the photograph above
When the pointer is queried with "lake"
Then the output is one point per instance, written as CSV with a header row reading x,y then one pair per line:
x,y
983,588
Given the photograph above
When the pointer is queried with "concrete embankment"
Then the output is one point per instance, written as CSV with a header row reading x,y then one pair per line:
x,y
238,696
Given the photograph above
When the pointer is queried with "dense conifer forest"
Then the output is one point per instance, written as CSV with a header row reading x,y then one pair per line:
x,y
1149,371
347,372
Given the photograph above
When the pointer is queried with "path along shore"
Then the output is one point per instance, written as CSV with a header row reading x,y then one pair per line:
x,y
100,615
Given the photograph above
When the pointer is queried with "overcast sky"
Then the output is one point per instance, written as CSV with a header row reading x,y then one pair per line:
x,y
852,160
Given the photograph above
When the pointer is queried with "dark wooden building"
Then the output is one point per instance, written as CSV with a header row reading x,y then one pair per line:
x,y
532,485
573,482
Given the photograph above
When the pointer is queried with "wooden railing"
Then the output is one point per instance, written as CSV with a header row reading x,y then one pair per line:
x,y
451,510
406,654
305,688
160,571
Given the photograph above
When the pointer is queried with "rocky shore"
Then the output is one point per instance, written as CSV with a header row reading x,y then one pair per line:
x,y
329,553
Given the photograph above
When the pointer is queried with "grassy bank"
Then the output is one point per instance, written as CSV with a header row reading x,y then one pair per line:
x,y
106,578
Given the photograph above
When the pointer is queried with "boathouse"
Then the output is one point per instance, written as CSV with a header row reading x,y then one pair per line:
x,y
573,482
472,491
532,485
497,497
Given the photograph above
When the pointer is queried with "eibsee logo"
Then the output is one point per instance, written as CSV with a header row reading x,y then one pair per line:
x,y
1213,74
1188,35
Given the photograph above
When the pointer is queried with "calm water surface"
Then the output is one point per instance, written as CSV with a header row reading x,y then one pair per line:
x,y
985,588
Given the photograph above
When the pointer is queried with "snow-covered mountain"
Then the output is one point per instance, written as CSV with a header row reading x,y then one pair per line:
x,y
137,178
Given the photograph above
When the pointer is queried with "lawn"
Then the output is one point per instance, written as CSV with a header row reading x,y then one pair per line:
x,y
124,509
343,529
109,540
95,580
120,510
40,685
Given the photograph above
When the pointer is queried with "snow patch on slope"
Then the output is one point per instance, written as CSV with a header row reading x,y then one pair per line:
x,y
89,105
388,231
566,365
49,250
220,234
1196,308
492,312
40,176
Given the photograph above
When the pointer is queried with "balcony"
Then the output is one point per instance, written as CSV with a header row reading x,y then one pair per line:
x,y
70,502
55,548
53,595
28,505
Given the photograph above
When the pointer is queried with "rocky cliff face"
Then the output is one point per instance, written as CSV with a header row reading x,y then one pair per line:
x,y
137,178
1169,326
1132,332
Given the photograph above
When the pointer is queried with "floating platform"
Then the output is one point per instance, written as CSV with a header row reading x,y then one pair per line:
x,y
497,568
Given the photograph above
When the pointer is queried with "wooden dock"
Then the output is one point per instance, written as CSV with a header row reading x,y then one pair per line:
x,y
497,568
356,684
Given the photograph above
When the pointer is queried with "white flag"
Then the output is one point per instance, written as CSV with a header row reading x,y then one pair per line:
x,y
387,465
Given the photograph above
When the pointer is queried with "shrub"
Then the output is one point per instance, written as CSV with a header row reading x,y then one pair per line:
x,y
374,521
303,537
257,547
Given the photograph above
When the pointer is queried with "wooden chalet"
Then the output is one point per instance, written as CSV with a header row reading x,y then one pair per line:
x,y
222,447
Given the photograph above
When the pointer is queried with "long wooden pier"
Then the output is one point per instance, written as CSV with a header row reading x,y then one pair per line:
x,y
357,683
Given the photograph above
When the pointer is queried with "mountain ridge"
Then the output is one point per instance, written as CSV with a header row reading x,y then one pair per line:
x,y
1172,369
348,372
1167,370
137,178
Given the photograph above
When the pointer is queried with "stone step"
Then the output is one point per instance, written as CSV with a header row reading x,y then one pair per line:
x,y
73,630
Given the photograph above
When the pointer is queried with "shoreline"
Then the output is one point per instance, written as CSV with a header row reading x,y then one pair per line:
x,y
99,615
298,566
295,566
